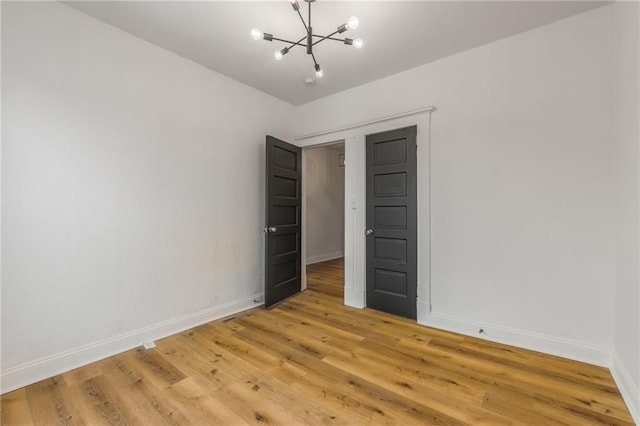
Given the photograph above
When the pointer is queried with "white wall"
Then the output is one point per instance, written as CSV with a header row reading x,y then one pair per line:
x,y
132,191
521,205
626,171
325,205
116,228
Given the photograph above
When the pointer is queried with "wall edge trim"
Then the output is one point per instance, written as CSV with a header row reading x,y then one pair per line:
x,y
33,371
365,123
324,257
548,344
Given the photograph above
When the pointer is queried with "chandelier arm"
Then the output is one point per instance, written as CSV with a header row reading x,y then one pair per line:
x,y
298,43
293,43
334,38
323,38
302,19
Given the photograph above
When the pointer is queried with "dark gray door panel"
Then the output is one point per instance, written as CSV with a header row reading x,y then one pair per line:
x,y
283,260
392,222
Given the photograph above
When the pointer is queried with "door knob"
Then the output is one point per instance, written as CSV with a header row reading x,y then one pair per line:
x,y
368,232
270,229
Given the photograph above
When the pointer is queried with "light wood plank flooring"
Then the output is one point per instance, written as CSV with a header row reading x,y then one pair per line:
x,y
314,361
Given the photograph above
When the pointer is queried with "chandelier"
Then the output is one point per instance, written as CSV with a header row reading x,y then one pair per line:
x,y
310,39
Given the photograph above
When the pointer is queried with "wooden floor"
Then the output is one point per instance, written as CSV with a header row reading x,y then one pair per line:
x,y
314,361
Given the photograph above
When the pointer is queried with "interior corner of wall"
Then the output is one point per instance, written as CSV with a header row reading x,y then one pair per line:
x,y
629,389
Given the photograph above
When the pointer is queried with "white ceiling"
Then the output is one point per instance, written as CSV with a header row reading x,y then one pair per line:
x,y
397,35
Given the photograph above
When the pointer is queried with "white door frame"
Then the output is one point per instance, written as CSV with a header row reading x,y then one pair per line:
x,y
354,137
303,251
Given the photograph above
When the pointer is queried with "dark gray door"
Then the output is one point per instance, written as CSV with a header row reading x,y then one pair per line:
x,y
392,222
283,217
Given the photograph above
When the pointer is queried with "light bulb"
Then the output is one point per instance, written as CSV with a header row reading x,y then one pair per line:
x,y
256,34
353,23
319,71
357,43
294,4
280,53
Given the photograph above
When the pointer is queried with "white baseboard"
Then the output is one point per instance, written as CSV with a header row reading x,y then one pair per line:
x,y
552,345
629,390
324,257
423,310
354,298
34,371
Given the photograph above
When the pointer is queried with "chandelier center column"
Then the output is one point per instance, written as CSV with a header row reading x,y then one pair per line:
x,y
309,32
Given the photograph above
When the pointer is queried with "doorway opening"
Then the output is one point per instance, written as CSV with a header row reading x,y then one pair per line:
x,y
324,201
355,195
